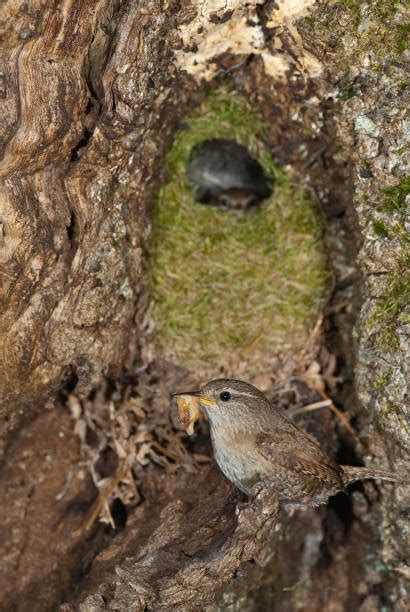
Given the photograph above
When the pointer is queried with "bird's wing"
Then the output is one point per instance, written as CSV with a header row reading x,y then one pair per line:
x,y
309,459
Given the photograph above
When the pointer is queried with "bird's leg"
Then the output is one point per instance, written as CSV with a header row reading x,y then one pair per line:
x,y
265,497
259,489
260,492
263,505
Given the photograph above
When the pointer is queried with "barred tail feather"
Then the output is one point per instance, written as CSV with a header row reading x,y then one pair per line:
x,y
353,474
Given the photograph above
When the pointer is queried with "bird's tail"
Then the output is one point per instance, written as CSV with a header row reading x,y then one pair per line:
x,y
353,474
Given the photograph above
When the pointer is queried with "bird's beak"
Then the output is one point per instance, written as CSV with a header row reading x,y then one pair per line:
x,y
188,405
202,398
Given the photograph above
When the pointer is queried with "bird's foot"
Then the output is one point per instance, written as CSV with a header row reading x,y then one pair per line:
x,y
264,497
261,486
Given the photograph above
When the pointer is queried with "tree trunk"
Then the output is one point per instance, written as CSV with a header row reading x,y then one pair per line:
x,y
92,95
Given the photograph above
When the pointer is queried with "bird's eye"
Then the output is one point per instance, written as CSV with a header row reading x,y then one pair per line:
x,y
225,396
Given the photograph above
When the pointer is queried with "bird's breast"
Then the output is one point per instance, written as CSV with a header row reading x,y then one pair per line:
x,y
237,456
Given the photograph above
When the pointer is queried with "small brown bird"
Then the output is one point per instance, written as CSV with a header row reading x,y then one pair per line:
x,y
240,200
223,172
254,442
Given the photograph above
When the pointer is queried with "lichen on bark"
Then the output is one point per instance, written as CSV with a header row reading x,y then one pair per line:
x,y
371,63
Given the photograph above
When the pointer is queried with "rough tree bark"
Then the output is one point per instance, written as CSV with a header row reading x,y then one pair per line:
x,y
91,94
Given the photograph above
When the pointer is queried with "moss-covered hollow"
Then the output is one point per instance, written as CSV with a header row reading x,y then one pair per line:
x,y
226,283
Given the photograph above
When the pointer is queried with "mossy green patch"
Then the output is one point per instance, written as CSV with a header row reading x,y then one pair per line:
x,y
371,25
221,281
395,197
403,33
347,94
380,228
390,411
392,306
381,381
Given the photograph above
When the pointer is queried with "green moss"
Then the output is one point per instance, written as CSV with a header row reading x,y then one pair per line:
x,y
222,282
403,32
403,423
347,94
381,381
391,306
395,197
380,228
387,412
401,151
391,411
356,335
370,25
309,21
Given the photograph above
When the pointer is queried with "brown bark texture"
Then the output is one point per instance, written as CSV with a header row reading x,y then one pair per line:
x,y
91,94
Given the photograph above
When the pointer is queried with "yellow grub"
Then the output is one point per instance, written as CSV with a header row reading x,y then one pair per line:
x,y
188,406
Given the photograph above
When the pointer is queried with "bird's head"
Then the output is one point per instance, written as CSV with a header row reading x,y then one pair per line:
x,y
225,401
237,199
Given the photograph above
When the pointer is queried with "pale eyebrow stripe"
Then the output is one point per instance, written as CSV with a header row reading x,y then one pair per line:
x,y
244,393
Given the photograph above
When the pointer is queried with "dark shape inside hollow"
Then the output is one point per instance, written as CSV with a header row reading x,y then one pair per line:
x,y
223,172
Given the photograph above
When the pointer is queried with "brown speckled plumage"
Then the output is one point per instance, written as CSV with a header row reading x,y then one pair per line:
x,y
254,442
